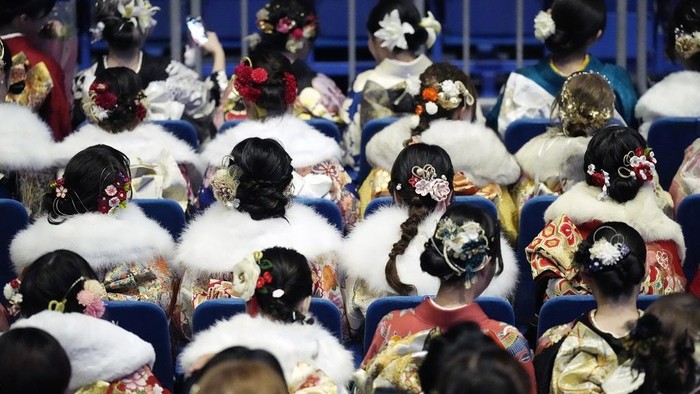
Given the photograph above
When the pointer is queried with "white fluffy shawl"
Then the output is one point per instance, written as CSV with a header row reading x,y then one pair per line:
x,y
306,145
221,237
289,343
97,349
102,240
553,155
473,148
676,95
642,213
366,251
26,141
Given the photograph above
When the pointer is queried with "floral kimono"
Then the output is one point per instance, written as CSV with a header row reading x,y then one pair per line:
x,y
105,358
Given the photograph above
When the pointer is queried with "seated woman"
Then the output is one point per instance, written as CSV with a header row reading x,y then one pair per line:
x,y
397,35
59,293
567,30
277,285
663,347
421,184
677,94
552,162
290,27
463,254
253,213
446,116
173,90
88,211
579,356
268,89
162,164
619,187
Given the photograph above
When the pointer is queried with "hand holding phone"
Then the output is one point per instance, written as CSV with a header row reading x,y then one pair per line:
x,y
197,30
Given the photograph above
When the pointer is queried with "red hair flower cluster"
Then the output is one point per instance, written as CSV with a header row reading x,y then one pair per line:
x,y
598,179
263,280
103,98
244,82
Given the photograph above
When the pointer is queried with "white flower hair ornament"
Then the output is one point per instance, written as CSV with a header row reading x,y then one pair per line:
x,y
605,254
466,244
448,95
599,178
13,296
687,44
544,26
139,13
251,275
393,32
433,27
225,183
425,182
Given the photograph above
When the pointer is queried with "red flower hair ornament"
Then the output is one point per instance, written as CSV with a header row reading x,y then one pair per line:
x,y
249,81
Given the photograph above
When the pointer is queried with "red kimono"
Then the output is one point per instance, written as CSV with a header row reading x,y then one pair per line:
x,y
44,84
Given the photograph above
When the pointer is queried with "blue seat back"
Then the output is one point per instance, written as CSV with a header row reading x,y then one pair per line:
x,y
13,219
531,223
148,321
519,132
669,137
326,127
687,216
228,125
209,312
371,128
182,130
565,309
481,202
167,213
326,208
495,308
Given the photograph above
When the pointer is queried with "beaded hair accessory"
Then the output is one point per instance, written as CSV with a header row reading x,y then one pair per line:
x,y
297,27
599,178
465,243
544,26
447,94
115,195
425,182
253,275
639,163
571,111
687,44
90,297
13,296
248,82
606,253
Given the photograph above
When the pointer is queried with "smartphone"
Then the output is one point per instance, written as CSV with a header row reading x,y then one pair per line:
x,y
197,30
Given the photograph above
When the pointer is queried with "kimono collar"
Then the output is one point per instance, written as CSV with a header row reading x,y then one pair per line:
x,y
404,69
429,311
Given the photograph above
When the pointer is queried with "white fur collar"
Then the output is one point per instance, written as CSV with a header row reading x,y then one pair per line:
x,y
25,140
306,145
103,240
676,95
146,142
221,237
289,343
553,155
366,251
642,213
473,148
97,349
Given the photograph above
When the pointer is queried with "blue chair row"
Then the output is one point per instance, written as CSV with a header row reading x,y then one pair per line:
x,y
371,128
479,201
669,137
519,132
182,130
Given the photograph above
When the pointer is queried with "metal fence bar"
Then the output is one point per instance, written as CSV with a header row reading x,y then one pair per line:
x,y
466,28
195,11
621,45
352,41
642,45
175,30
244,28
420,5
519,31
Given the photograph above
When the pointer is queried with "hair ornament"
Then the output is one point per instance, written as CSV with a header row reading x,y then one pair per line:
x,y
297,28
544,26
91,298
139,13
639,163
225,183
278,293
249,81
59,186
253,275
432,26
393,32
687,44
599,178
96,32
13,296
606,253
448,95
115,195
426,182
573,112
100,101
466,243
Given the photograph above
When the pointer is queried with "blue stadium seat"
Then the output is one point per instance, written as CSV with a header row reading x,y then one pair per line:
x,y
148,321
494,307
167,213
14,218
368,131
565,309
687,216
531,223
229,125
669,137
209,312
326,127
521,131
479,201
182,130
326,208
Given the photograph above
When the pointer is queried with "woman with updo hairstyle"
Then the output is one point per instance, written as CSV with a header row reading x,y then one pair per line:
x,y
268,89
619,186
421,184
580,355
174,91
398,34
551,162
254,211
166,167
277,285
567,29
448,115
88,211
464,254
662,345
59,294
